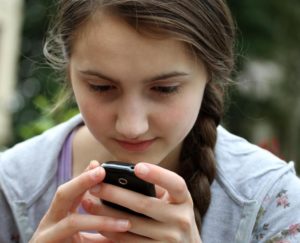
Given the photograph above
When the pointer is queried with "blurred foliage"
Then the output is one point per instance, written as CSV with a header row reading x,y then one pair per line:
x,y
267,30
38,86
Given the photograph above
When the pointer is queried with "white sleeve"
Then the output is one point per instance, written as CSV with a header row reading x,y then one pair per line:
x,y
8,229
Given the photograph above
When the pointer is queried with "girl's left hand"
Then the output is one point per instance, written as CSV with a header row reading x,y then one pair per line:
x,y
170,215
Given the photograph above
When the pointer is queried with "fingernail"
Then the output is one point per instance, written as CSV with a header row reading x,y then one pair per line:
x,y
96,189
142,169
93,164
123,224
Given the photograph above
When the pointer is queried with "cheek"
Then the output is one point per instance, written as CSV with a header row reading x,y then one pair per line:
x,y
87,108
96,117
180,119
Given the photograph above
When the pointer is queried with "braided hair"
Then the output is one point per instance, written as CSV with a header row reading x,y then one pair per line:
x,y
197,158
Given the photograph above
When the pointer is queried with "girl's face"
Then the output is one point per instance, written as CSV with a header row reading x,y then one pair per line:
x,y
139,96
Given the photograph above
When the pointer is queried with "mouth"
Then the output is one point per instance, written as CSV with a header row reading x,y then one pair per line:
x,y
135,146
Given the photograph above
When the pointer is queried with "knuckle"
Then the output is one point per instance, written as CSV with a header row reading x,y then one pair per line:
x,y
39,236
72,221
172,237
181,187
60,193
184,224
190,201
144,205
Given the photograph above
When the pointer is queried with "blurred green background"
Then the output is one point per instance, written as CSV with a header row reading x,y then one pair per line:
x,y
264,106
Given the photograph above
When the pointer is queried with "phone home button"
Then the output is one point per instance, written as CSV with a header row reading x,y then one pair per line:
x,y
123,181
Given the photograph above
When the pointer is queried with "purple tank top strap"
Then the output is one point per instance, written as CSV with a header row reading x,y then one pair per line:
x,y
65,163
65,160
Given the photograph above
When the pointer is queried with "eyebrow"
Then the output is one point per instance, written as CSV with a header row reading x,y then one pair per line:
x,y
162,76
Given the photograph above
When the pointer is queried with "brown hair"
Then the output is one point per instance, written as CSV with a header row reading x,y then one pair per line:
x,y
206,27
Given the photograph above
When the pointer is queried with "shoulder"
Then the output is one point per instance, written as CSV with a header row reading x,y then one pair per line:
x,y
246,169
28,166
49,137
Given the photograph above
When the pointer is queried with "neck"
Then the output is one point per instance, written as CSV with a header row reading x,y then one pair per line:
x,y
171,162
85,149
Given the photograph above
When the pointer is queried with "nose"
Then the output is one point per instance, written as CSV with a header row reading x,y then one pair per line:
x,y
132,119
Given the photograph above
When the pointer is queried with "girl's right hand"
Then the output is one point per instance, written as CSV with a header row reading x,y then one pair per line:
x,y
62,223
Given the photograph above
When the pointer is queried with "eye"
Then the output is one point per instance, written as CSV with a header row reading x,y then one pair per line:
x,y
101,88
166,89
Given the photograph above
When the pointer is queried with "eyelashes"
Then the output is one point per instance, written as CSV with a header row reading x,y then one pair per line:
x,y
166,90
101,88
160,90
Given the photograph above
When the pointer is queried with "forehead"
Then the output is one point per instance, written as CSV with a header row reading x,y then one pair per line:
x,y
109,31
107,42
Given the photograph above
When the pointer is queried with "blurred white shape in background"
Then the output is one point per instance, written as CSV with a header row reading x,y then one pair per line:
x,y
259,78
10,36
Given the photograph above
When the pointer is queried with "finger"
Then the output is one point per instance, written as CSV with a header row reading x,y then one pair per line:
x,y
93,205
149,206
75,223
160,192
128,237
159,229
92,165
167,179
94,238
89,203
69,192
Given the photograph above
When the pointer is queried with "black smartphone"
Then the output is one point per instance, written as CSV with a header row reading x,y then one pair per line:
x,y
122,174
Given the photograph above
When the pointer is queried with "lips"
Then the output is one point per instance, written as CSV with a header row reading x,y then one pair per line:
x,y
135,146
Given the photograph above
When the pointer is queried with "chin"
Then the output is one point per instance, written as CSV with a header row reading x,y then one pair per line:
x,y
138,158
